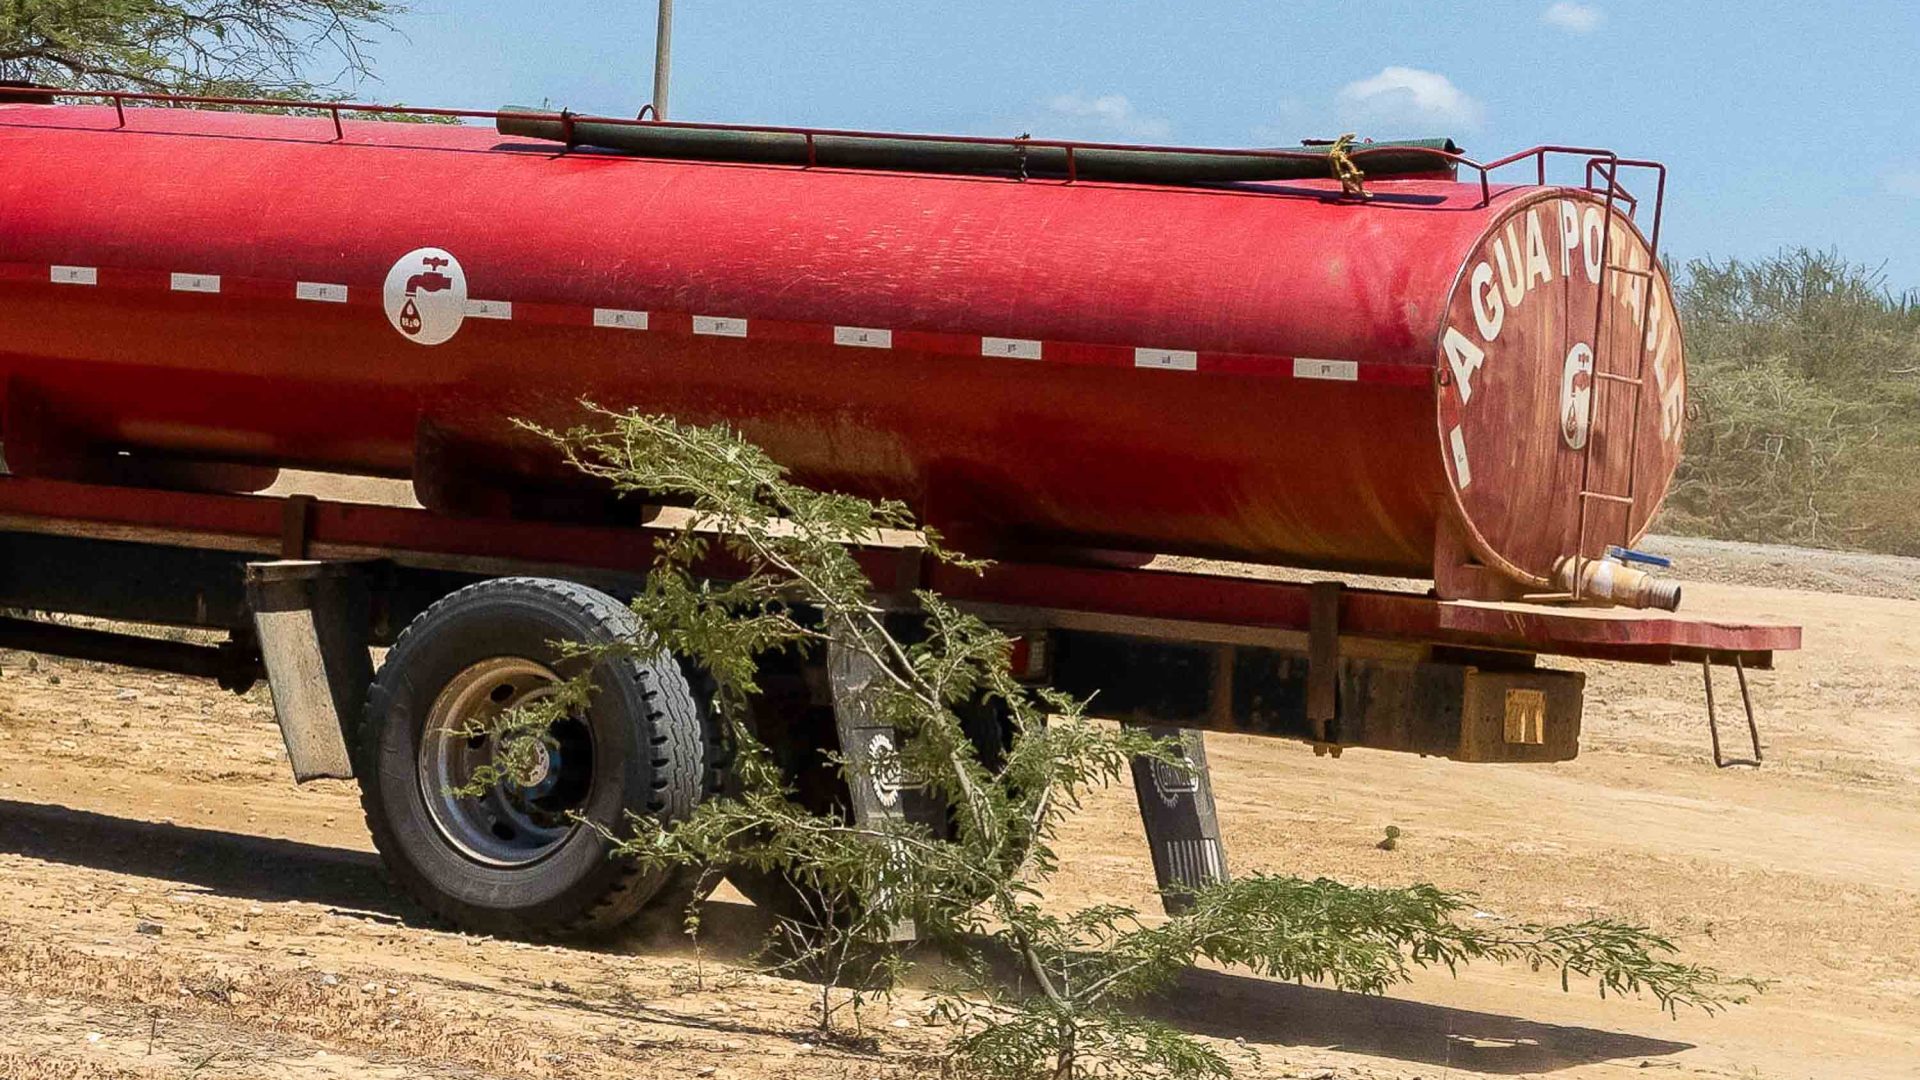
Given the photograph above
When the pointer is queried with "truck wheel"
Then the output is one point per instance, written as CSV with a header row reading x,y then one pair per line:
x,y
515,861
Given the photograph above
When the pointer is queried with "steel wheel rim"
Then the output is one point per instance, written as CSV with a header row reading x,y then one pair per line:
x,y
510,825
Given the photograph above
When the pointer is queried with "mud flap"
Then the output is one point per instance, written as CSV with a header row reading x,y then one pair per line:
x,y
867,742
311,621
1183,828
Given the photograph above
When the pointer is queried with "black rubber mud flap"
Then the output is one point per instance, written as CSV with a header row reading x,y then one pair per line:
x,y
1183,828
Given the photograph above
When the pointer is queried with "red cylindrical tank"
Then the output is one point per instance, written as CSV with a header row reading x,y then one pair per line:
x,y
1269,373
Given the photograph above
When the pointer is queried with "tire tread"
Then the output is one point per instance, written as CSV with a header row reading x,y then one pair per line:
x,y
678,729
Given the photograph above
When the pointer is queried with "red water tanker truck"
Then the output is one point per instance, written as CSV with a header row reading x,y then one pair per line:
x,y
1084,361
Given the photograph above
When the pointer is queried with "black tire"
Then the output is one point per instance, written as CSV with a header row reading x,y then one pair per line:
x,y
664,915
646,743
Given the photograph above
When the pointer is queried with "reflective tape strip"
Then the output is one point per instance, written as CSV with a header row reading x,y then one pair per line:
x,y
1306,367
717,326
324,293
931,342
619,319
1014,348
1166,359
863,337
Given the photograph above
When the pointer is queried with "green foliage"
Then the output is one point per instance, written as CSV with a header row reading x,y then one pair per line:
x,y
1805,375
218,48
969,874
1361,940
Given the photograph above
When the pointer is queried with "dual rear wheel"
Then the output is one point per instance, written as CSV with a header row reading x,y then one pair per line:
x,y
529,857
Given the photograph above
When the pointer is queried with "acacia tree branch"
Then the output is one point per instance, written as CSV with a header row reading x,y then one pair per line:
x,y
247,48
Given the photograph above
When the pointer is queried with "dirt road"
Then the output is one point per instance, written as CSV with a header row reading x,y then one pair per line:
x,y
171,905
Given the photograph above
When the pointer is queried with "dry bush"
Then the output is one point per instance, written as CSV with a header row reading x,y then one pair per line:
x,y
1805,425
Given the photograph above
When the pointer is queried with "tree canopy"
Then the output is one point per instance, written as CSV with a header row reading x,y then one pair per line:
x,y
235,48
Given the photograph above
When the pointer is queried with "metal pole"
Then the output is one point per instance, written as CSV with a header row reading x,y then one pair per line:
x,y
662,59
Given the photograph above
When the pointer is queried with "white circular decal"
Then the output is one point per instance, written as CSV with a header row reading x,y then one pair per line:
x,y
1576,395
885,765
426,295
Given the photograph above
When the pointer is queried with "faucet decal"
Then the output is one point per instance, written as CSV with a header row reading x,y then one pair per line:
x,y
426,295
430,281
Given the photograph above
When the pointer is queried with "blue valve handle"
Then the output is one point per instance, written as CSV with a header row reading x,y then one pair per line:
x,y
1614,551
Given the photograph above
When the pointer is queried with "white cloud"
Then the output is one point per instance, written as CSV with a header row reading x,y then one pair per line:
x,y
1574,18
1109,116
1404,100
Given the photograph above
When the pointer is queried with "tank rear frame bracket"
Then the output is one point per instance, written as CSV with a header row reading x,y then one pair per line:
x,y
1323,660
1466,707
1713,721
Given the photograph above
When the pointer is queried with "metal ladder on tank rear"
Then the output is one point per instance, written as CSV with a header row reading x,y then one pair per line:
x,y
1608,168
1603,374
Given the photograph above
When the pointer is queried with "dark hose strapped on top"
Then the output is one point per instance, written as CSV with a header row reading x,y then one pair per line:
x,y
1014,158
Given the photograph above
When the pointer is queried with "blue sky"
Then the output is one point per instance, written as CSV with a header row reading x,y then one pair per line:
x,y
1785,123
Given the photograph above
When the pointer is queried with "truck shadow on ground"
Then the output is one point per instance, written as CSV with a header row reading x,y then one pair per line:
x,y
1205,1002
229,864
1286,1014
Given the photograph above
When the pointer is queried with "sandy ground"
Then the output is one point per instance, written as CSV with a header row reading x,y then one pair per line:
x,y
1730,562
171,905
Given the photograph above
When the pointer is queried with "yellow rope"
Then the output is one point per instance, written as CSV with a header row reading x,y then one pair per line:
x,y
1344,170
